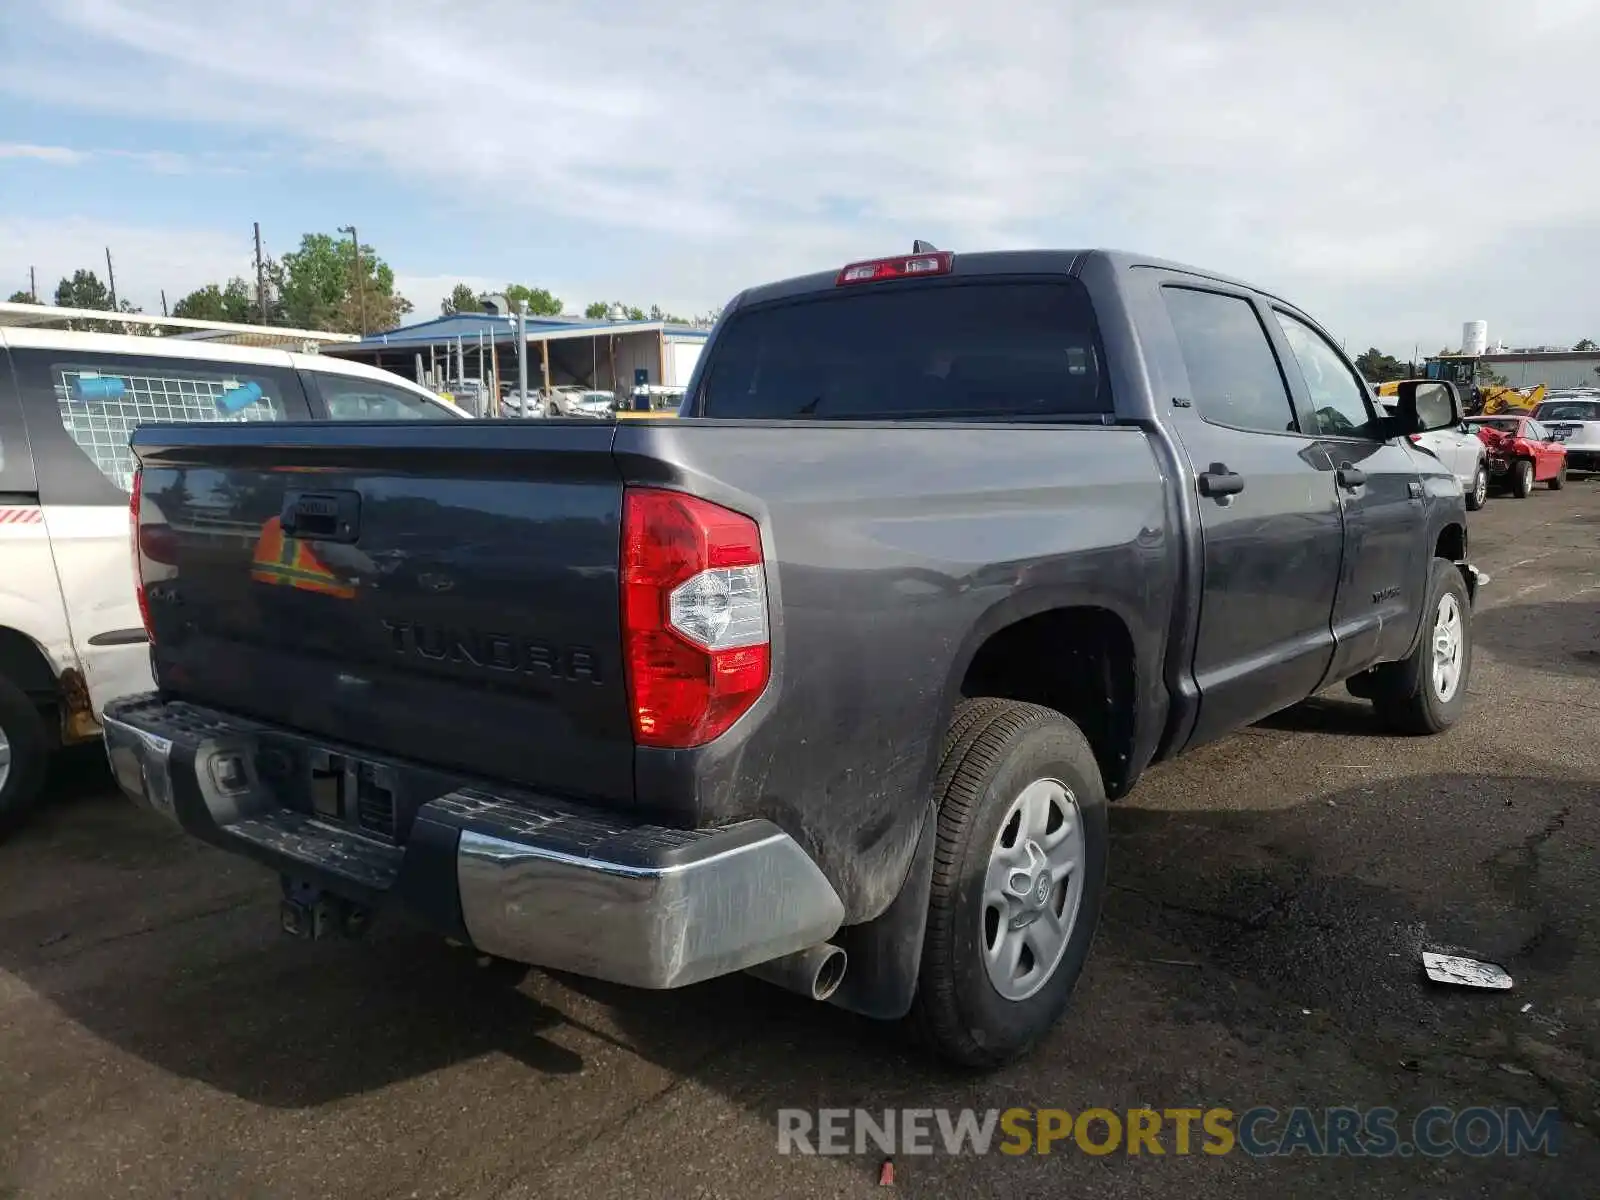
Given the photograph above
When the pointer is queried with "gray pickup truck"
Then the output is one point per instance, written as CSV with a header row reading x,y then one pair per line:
x,y
830,678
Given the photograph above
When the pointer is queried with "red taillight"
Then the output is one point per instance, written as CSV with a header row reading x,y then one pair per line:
x,y
696,638
1416,438
906,266
138,553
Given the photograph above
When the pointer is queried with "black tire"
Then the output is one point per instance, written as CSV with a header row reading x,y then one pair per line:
x,y
1522,479
1559,479
1404,694
1479,495
28,742
994,749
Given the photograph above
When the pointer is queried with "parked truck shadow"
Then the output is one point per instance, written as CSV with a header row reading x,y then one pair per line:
x,y
1274,910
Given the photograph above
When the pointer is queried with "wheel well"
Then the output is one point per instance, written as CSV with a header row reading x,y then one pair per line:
x,y
1452,543
1078,661
25,666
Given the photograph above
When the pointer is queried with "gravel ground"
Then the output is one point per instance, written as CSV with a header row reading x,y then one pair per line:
x,y
159,1037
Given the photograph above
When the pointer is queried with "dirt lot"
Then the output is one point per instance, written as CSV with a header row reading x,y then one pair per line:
x,y
159,1037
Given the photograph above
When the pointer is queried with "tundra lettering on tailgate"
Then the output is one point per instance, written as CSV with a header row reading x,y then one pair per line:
x,y
492,651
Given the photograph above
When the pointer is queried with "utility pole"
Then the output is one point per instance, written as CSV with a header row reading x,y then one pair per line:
x,y
164,302
522,357
361,291
111,276
261,278
33,286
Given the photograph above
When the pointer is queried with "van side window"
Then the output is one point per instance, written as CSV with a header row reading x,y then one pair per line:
x,y
103,401
352,398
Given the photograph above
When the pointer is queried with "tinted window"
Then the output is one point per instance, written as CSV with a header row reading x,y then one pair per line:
x,y
1338,397
16,463
351,398
1233,373
102,400
1569,410
945,350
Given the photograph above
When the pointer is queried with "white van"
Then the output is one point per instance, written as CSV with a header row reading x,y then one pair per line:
x,y
70,633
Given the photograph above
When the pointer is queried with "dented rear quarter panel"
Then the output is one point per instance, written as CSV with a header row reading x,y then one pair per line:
x,y
892,552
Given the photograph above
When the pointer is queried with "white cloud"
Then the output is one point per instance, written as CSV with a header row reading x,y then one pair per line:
x,y
59,155
1312,149
147,259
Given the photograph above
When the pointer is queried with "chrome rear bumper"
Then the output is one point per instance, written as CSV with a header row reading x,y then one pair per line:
x,y
520,876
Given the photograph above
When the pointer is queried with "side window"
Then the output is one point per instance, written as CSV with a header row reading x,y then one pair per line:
x,y
102,400
1536,431
1233,372
352,398
1338,397
16,463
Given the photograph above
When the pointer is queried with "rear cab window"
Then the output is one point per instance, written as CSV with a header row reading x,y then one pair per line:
x,y
82,409
954,349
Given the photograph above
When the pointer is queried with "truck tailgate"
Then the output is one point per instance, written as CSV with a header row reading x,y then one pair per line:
x,y
441,592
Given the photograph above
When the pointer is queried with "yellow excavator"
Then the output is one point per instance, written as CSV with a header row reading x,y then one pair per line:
x,y
1479,399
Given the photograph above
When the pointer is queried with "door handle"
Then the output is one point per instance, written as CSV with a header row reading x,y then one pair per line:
x,y
1219,481
1350,478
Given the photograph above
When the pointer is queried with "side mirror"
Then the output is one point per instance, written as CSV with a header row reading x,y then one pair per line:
x,y
1424,405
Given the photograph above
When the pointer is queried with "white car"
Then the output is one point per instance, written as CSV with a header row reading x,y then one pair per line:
x,y
71,637
1574,418
1460,449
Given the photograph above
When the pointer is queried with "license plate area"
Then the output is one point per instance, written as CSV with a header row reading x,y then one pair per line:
x,y
354,792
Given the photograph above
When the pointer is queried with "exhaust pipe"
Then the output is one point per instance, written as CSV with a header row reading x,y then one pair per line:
x,y
816,971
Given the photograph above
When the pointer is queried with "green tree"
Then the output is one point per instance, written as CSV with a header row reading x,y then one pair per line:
x,y
1379,367
21,298
232,302
598,311
1585,345
462,299
319,289
83,290
540,301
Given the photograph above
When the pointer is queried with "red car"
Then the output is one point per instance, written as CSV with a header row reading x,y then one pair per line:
x,y
1521,452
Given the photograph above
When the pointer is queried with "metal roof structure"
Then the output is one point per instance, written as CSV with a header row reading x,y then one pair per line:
x,y
471,326
22,315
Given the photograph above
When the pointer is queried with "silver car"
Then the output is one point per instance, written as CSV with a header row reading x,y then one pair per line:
x,y
1574,419
1460,449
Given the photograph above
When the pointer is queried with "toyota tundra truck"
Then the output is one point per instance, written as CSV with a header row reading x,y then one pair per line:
x,y
829,680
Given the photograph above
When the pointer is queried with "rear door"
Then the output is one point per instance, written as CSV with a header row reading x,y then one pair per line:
x,y
30,599
81,407
1382,583
1269,514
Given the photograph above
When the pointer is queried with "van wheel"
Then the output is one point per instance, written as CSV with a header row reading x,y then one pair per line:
x,y
1427,692
1019,876
1479,495
1559,479
1522,479
24,751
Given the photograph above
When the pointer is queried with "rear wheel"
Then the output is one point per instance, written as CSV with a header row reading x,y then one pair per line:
x,y
24,750
1479,494
1018,879
1427,692
1522,479
1559,479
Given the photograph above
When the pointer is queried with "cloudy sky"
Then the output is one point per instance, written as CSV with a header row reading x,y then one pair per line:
x,y
1395,168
